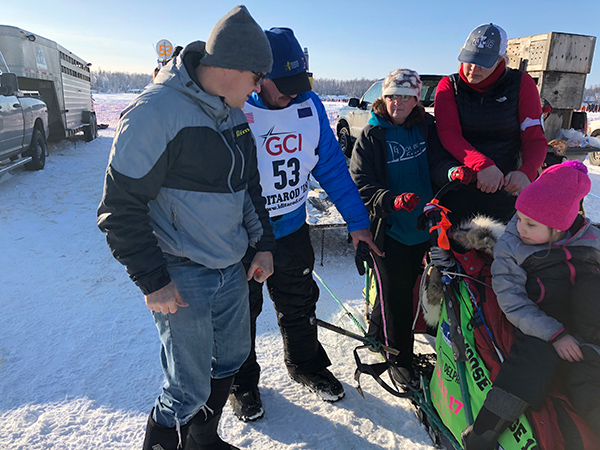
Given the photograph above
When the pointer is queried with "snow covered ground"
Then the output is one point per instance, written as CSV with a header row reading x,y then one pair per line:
x,y
79,353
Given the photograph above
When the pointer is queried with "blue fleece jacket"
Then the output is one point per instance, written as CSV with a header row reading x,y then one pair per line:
x,y
408,171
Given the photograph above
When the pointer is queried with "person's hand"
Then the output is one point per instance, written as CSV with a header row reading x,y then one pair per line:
x,y
515,182
363,255
261,267
568,349
365,236
490,179
166,300
407,201
464,174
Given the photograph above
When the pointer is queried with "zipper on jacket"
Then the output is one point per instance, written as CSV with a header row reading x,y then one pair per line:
x,y
174,214
243,161
231,152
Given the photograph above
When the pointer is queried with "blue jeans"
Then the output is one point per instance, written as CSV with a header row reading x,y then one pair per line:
x,y
208,339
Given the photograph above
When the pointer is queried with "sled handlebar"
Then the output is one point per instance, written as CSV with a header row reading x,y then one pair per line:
x,y
374,344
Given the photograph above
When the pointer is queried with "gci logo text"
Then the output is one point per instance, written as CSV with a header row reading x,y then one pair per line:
x,y
277,143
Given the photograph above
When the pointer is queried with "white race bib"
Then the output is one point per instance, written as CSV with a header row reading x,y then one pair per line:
x,y
286,142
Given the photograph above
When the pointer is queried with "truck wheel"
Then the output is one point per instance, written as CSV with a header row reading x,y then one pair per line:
x,y
595,156
91,131
37,151
345,141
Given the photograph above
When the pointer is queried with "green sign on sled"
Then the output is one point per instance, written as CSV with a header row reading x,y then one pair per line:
x,y
445,388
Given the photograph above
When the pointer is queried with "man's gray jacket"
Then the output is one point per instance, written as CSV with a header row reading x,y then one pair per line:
x,y
182,179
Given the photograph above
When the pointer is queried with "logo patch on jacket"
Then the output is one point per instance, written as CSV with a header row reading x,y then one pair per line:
x,y
239,133
249,117
304,112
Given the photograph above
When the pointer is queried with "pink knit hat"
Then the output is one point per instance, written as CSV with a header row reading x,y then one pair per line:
x,y
553,199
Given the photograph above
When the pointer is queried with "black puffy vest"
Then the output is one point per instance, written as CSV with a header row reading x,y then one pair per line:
x,y
490,121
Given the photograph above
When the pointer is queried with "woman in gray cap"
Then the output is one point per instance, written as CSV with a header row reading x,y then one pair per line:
x,y
488,118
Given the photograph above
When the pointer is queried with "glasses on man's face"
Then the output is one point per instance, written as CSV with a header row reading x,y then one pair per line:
x,y
258,77
398,98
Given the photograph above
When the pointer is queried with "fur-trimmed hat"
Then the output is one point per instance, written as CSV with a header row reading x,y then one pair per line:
x,y
553,199
238,42
402,82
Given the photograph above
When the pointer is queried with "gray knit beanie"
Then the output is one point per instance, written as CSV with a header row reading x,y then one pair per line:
x,y
238,42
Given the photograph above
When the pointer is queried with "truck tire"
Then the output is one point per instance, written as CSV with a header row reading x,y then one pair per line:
x,y
595,156
91,131
37,151
345,141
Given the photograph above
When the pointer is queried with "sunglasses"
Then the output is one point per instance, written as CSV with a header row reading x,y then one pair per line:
x,y
399,98
258,77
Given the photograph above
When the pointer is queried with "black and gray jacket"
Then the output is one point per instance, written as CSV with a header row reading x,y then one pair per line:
x,y
544,289
182,179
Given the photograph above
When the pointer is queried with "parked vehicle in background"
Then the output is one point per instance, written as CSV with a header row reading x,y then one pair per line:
x,y
23,126
353,117
595,132
61,78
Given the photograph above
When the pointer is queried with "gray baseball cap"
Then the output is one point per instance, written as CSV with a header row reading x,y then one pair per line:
x,y
484,46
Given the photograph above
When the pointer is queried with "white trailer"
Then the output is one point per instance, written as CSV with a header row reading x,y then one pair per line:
x,y
62,79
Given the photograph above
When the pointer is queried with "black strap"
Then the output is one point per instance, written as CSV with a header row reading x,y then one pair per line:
x,y
375,370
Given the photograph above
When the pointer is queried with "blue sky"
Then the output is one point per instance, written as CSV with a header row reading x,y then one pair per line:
x,y
351,39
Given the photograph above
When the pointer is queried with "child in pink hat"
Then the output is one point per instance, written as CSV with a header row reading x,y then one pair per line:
x,y
546,276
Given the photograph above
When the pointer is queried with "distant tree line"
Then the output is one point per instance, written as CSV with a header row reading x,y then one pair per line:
x,y
592,91
350,88
118,82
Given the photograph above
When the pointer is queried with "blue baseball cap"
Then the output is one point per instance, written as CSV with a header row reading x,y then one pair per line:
x,y
484,46
289,72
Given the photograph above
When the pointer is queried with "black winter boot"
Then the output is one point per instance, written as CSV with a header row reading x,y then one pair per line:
x,y
161,438
246,404
202,434
499,410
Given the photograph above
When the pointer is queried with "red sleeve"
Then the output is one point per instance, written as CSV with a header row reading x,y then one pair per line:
x,y
533,142
450,131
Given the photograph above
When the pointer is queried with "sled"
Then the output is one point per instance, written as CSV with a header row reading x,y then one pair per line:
x,y
454,381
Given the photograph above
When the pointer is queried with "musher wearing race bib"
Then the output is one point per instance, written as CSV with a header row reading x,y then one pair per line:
x,y
294,139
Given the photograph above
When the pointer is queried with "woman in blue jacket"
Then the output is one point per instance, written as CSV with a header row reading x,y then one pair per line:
x,y
390,167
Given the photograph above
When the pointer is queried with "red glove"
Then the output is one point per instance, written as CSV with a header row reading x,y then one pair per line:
x,y
407,201
464,174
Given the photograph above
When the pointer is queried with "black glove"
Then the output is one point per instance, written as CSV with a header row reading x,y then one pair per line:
x,y
363,255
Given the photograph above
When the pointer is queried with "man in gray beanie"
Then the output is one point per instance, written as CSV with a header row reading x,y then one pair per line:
x,y
238,42
181,204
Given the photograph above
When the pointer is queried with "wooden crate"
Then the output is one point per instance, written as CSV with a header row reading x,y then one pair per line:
x,y
561,89
559,52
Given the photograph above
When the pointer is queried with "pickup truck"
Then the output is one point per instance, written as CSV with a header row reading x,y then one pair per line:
x,y
595,132
23,126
